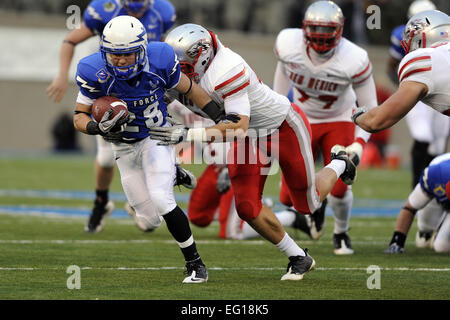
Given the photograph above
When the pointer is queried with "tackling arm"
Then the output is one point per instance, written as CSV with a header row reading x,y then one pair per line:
x,y
393,109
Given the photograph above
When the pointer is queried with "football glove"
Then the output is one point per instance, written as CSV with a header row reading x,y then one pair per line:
x,y
354,152
115,124
223,181
169,135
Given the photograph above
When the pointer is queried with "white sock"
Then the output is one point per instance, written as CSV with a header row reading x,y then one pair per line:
x,y
341,209
289,247
337,166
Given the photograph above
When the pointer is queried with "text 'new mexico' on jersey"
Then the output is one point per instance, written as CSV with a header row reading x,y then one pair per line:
x,y
143,94
325,91
430,66
156,20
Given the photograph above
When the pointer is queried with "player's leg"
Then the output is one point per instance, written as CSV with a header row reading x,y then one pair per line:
x,y
158,164
341,196
442,241
104,173
204,199
248,184
428,220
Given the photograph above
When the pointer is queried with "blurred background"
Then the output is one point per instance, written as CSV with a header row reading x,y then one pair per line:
x,y
31,32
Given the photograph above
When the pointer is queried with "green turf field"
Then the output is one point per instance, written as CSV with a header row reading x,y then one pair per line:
x,y
124,263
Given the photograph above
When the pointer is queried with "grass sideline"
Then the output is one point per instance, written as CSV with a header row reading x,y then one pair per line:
x,y
122,263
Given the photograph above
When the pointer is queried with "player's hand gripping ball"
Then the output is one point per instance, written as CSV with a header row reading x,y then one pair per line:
x,y
117,110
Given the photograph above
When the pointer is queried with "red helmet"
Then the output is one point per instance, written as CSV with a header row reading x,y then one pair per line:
x,y
322,26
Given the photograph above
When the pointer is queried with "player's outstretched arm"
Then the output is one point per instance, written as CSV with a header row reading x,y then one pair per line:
x,y
58,87
393,109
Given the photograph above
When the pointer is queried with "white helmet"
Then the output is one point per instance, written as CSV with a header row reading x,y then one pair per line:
x,y
322,26
194,47
426,29
419,6
124,35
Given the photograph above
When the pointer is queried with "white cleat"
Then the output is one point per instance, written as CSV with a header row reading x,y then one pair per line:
x,y
342,244
298,266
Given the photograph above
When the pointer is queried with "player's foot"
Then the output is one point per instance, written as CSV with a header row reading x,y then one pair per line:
x,y
196,272
349,175
318,221
98,216
185,178
129,209
423,239
298,266
342,244
394,249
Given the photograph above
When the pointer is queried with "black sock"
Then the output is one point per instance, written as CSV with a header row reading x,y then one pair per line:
x,y
101,197
398,238
178,225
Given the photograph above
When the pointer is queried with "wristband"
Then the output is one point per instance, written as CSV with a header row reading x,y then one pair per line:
x,y
93,129
213,111
196,134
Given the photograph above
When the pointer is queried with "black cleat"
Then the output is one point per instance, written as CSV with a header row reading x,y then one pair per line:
x,y
98,216
185,178
394,249
298,266
349,175
342,244
196,272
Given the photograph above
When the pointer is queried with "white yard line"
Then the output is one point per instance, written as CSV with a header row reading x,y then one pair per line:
x,y
226,269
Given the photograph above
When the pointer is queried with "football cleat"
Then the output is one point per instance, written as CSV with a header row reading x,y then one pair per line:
x,y
394,249
302,221
349,175
298,266
342,244
196,272
424,239
98,216
185,178
318,221
129,209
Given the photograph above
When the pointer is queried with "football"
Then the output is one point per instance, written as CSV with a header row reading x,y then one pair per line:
x,y
103,104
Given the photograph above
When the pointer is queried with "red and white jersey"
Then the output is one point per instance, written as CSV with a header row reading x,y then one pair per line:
x,y
323,91
430,66
231,82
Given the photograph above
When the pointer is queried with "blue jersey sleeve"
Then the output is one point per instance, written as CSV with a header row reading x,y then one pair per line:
x,y
90,76
99,12
167,12
165,62
395,49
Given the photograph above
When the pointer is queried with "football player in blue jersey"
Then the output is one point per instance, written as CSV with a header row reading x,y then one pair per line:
x,y
433,187
157,16
139,73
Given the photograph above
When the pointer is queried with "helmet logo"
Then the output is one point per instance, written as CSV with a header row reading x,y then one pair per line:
x,y
198,48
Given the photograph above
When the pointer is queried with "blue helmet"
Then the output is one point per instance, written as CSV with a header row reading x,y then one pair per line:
x,y
124,35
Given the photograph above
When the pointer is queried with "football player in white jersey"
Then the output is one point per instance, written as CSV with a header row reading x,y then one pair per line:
x,y
261,125
424,73
329,75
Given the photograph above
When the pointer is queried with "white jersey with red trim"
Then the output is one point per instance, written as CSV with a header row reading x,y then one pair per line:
x,y
430,66
324,91
231,82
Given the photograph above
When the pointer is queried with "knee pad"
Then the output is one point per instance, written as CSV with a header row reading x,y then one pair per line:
x,y
105,153
147,215
162,201
248,210
200,220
